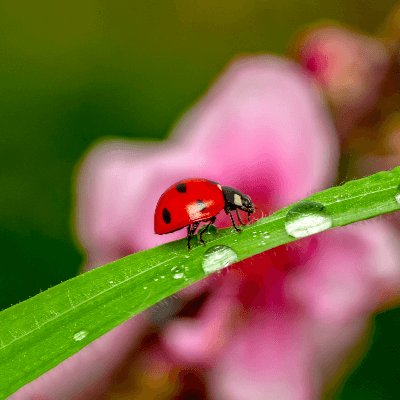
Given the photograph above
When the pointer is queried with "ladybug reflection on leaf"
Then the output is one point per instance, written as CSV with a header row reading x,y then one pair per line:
x,y
191,201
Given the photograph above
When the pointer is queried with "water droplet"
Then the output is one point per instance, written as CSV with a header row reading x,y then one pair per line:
x,y
218,257
397,195
307,218
266,235
111,281
144,287
177,272
80,335
162,276
156,279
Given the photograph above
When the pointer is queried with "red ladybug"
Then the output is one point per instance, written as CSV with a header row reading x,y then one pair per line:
x,y
191,201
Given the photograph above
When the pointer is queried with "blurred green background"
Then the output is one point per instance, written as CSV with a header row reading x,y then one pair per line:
x,y
72,72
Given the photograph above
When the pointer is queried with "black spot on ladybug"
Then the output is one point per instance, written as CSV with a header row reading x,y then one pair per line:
x,y
201,205
181,188
166,216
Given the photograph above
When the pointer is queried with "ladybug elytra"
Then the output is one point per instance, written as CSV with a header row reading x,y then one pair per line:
x,y
191,201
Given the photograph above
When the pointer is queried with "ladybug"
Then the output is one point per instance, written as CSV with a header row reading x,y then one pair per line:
x,y
191,201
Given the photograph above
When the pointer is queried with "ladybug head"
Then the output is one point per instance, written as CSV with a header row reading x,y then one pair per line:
x,y
235,199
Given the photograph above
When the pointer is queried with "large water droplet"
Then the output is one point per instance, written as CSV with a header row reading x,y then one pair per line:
x,y
217,258
307,218
80,335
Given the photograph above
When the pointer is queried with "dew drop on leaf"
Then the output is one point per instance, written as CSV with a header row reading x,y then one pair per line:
x,y
217,258
307,218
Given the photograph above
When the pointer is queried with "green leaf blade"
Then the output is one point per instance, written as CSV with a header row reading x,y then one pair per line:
x,y
41,332
38,334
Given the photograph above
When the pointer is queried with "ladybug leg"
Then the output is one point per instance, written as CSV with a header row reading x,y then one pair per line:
x,y
194,227
204,229
233,221
240,220
191,230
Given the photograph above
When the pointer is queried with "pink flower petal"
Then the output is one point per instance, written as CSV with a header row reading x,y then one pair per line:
x,y
351,68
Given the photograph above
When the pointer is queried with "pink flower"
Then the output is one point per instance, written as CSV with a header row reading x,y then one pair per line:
x,y
278,325
350,67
